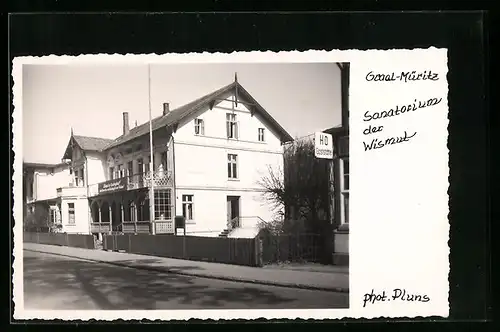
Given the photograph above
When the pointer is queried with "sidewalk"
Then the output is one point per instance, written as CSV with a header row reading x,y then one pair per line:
x,y
327,281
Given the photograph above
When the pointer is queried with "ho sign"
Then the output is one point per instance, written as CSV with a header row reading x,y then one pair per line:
x,y
323,145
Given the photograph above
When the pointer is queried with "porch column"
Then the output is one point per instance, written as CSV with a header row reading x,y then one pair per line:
x,y
135,215
122,212
110,217
135,211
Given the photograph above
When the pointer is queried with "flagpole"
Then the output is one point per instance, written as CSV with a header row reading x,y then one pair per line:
x,y
151,160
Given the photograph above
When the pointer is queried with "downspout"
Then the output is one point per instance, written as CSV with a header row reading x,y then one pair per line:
x,y
89,212
174,189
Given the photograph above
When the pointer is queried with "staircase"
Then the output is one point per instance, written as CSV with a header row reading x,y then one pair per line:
x,y
225,233
98,244
230,226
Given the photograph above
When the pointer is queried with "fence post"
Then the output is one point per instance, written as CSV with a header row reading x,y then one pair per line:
x,y
67,240
184,246
129,243
38,238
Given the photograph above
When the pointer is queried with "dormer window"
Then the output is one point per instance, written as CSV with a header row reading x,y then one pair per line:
x,y
231,126
261,135
199,127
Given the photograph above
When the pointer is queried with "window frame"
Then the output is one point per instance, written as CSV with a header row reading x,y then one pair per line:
x,y
168,202
188,200
71,212
261,131
233,166
199,124
344,190
231,126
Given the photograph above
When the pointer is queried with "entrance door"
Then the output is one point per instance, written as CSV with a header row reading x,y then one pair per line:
x,y
233,211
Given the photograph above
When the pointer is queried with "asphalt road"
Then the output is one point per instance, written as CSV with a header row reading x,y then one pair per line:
x,y
60,283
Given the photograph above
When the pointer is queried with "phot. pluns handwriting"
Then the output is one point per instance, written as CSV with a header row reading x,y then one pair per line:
x,y
405,76
397,294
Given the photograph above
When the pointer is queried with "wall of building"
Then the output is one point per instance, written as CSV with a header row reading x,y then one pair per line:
x,y
96,168
81,225
47,182
201,167
161,144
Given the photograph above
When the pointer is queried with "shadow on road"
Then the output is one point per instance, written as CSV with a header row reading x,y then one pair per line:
x,y
112,287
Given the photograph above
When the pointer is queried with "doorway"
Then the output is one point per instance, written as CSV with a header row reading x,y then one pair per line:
x,y
233,211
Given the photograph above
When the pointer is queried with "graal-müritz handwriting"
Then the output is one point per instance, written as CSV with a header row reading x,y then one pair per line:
x,y
405,76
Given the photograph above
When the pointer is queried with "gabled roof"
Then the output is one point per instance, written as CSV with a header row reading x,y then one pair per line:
x,y
337,131
86,143
42,165
178,114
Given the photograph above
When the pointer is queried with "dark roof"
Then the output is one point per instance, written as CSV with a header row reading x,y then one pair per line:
x,y
86,143
178,114
340,130
42,165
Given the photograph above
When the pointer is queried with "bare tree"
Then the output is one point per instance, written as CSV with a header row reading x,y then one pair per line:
x,y
301,188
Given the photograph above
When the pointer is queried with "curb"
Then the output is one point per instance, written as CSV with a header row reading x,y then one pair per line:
x,y
206,276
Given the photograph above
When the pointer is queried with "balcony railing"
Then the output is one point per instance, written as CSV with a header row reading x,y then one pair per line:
x,y
132,182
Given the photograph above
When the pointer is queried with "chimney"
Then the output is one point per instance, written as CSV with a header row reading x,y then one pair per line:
x,y
166,108
126,127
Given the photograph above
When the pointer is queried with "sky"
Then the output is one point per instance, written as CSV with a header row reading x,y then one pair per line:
x,y
302,97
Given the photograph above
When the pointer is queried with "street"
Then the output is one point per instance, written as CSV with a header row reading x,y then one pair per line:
x,y
54,282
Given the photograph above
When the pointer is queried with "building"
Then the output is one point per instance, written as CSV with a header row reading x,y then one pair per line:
x,y
208,158
42,194
340,176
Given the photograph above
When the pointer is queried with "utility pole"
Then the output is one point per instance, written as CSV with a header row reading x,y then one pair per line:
x,y
151,160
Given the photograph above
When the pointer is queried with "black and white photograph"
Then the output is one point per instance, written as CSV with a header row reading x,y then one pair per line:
x,y
185,186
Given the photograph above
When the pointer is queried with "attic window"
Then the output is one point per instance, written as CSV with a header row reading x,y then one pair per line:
x,y
128,151
139,147
231,126
199,127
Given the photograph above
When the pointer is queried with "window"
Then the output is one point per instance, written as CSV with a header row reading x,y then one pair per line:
x,y
53,216
77,178
261,135
140,165
231,126
187,207
232,166
71,213
163,205
82,177
199,127
133,211
163,160
344,189
130,168
111,173
120,172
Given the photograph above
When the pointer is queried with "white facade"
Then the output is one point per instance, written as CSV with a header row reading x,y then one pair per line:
x,y
50,188
215,159
201,168
46,181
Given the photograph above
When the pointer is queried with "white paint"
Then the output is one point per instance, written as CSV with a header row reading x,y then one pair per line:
x,y
201,164
46,182
96,168
81,225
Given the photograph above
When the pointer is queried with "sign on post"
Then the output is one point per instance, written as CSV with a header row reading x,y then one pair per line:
x,y
323,145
